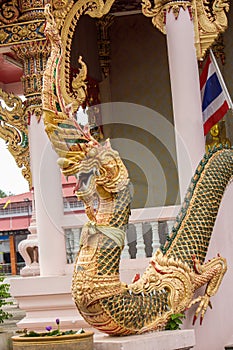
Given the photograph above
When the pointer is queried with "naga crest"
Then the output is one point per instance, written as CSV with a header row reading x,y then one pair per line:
x,y
94,164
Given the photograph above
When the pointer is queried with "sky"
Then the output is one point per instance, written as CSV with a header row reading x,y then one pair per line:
x,y
11,179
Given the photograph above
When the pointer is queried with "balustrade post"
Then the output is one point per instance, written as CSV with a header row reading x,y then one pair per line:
x,y
170,224
155,235
140,241
125,252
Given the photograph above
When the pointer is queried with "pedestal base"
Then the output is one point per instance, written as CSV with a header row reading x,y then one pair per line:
x,y
164,340
44,299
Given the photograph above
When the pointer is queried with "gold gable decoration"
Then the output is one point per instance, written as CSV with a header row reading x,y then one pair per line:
x,y
14,131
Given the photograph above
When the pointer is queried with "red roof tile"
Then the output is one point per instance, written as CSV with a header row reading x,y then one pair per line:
x,y
17,198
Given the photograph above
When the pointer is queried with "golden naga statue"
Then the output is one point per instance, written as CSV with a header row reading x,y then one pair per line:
x,y
176,270
217,136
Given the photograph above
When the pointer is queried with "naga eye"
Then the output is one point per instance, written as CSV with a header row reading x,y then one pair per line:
x,y
92,153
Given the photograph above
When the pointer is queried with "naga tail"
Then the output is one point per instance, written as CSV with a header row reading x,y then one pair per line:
x,y
194,224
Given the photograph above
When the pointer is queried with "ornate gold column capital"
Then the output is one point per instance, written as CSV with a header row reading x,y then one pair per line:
x,y
209,18
158,12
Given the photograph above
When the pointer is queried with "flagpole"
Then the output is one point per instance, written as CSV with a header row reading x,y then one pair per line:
x,y
222,82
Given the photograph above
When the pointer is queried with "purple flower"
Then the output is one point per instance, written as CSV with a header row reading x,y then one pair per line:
x,y
57,321
48,328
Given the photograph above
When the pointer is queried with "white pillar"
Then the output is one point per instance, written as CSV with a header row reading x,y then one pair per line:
x,y
48,201
184,76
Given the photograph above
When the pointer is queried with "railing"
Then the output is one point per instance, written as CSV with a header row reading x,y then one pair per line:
x,y
142,239
73,204
15,211
5,268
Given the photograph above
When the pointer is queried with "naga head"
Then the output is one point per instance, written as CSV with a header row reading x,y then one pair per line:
x,y
97,167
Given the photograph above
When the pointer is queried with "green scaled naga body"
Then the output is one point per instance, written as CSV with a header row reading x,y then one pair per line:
x,y
177,269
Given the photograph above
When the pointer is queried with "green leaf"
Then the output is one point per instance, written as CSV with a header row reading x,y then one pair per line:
x,y
174,321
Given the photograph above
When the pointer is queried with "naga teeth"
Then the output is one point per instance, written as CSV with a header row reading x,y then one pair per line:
x,y
96,172
130,291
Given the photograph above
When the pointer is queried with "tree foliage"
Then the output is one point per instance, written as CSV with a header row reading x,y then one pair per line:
x,y
4,295
3,194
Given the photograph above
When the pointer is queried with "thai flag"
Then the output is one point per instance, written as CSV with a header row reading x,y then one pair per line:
x,y
214,102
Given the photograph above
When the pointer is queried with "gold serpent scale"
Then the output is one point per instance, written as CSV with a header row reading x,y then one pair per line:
x,y
177,269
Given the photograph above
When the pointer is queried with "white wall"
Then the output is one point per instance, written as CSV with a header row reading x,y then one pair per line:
x,y
217,328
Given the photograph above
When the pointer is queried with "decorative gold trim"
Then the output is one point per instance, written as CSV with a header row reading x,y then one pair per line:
x,y
61,24
22,32
60,10
13,129
9,12
96,9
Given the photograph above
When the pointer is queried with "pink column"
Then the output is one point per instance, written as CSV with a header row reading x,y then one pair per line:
x,y
184,76
48,201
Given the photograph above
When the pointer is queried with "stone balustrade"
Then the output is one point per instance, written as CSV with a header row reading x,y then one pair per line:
x,y
143,236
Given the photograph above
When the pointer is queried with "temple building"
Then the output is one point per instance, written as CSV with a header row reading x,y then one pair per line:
x,y
142,91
